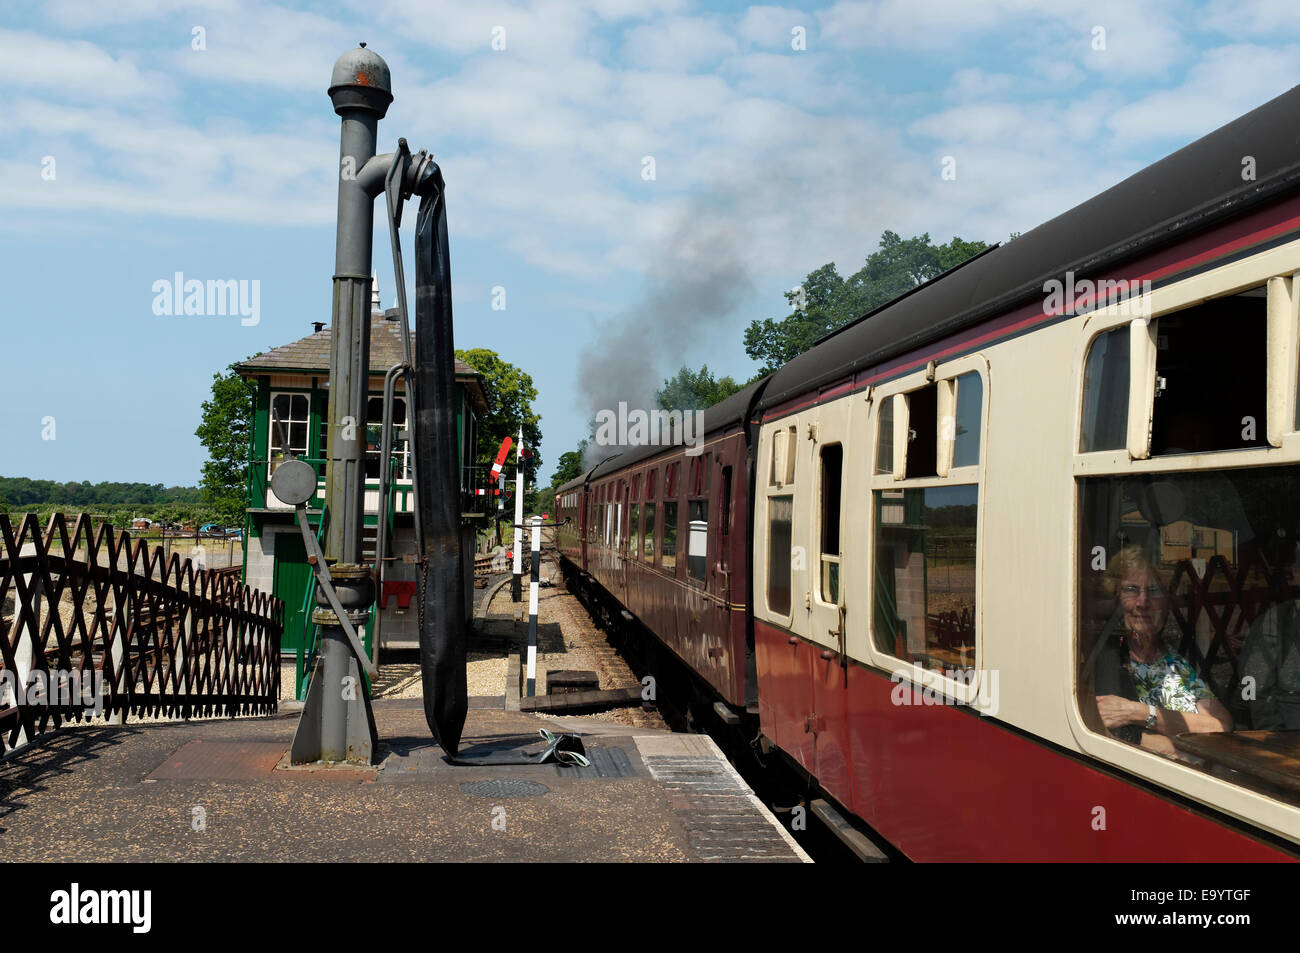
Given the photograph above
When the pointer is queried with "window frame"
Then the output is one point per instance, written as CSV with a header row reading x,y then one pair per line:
x,y
1281,336
963,692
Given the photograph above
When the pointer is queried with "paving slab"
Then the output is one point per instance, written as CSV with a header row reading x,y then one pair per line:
x,y
212,791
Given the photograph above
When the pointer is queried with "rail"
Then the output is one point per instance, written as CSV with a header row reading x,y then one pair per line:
x,y
92,624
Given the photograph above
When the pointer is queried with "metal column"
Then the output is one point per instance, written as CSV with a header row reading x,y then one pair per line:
x,y
337,724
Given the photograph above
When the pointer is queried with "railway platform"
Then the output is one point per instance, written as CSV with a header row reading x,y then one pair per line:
x,y
215,791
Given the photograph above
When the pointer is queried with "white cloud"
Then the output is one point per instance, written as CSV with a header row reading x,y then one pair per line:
x,y
1244,18
1225,83
769,27
683,43
75,68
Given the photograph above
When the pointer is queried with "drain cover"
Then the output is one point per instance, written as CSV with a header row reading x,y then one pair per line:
x,y
503,787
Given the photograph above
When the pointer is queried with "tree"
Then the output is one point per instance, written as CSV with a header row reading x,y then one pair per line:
x,y
826,301
510,394
570,466
227,422
695,390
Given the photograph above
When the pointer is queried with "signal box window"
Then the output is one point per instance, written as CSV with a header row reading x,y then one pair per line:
x,y
1211,375
1189,620
697,543
669,544
832,470
925,575
1105,393
292,410
780,536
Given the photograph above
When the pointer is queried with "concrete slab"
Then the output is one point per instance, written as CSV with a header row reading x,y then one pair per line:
x,y
102,794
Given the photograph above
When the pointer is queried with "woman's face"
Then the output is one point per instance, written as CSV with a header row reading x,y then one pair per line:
x,y
1144,603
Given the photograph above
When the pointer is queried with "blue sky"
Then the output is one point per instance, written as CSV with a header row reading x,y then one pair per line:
x,y
769,161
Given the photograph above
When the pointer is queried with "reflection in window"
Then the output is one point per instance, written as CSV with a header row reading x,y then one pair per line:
x,y
780,539
649,538
1105,393
374,438
697,543
290,437
885,436
970,403
1188,601
832,469
724,522
925,575
669,544
634,531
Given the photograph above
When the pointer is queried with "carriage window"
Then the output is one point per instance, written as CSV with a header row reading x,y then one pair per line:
x,y
780,539
970,404
925,575
1211,376
649,543
669,544
832,468
885,436
650,485
784,444
634,531
1189,603
697,543
923,432
725,518
1105,393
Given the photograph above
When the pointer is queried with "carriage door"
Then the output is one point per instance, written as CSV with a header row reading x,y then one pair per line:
x,y
825,439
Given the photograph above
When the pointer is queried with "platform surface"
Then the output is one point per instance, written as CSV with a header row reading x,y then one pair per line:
x,y
220,791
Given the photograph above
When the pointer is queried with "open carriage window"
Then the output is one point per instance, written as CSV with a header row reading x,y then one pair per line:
x,y
1189,608
1211,376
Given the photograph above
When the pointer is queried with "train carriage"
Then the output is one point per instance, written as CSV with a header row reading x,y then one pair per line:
x,y
1016,577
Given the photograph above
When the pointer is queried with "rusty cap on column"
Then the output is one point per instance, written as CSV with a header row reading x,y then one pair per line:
x,y
361,81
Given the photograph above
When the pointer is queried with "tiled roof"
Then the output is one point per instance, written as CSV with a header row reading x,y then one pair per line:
x,y
312,353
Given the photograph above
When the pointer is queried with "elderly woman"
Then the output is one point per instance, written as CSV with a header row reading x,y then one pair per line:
x,y
1150,686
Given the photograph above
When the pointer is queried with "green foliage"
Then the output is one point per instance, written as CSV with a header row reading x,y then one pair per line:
x,y
695,390
510,394
570,466
121,514
827,301
21,492
224,431
544,502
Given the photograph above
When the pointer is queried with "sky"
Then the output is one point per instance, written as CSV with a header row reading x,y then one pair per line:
x,y
640,179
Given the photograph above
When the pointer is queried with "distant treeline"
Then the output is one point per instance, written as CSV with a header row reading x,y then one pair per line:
x,y
25,492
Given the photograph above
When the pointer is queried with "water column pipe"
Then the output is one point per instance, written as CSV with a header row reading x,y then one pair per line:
x,y
336,723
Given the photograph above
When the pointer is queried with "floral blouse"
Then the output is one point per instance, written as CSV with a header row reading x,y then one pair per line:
x,y
1170,683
